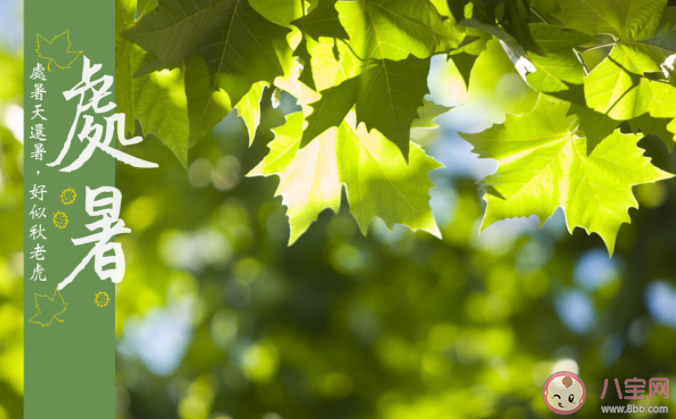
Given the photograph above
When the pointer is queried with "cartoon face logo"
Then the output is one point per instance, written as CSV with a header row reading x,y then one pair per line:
x,y
564,393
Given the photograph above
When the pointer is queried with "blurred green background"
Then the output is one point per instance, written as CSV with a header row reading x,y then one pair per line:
x,y
218,319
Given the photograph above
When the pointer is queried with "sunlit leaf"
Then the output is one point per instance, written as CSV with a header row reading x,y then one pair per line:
x,y
625,19
379,182
227,45
543,166
157,100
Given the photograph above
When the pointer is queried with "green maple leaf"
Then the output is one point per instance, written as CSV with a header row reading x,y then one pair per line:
x,y
249,108
360,75
157,99
378,181
57,50
616,87
518,16
336,79
388,51
543,165
464,57
476,35
387,97
558,66
160,105
380,184
456,8
282,12
428,113
323,20
48,308
393,29
227,47
624,19
464,62
642,42
594,126
309,178
306,75
555,64
149,65
662,44
664,128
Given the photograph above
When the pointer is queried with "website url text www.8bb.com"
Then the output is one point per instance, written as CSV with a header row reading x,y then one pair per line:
x,y
634,408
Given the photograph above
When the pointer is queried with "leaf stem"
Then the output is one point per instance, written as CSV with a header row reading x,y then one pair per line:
x,y
585,49
581,60
580,50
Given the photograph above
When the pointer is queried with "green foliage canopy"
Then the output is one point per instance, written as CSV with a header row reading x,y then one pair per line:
x,y
359,70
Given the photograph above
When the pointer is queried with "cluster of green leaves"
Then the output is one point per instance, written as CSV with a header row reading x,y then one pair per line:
x,y
359,69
